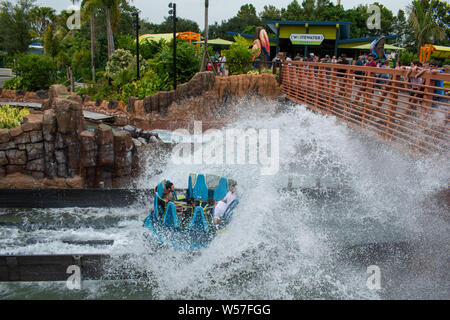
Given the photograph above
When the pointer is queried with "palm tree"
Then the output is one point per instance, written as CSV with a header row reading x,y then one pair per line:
x,y
205,50
112,15
41,18
423,22
88,8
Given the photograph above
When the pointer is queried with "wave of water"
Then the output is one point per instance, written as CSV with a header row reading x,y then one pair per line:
x,y
285,244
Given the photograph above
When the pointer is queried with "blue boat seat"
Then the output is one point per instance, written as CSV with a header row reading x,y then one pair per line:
x,y
221,190
200,191
198,222
170,217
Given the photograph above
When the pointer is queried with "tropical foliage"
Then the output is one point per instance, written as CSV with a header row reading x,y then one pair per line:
x,y
106,27
10,117
239,56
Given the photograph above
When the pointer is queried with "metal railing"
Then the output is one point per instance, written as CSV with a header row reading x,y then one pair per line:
x,y
413,116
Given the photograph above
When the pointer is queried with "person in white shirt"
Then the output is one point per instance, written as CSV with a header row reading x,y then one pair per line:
x,y
223,204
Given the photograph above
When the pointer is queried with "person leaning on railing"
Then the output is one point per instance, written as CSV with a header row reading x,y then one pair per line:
x,y
416,92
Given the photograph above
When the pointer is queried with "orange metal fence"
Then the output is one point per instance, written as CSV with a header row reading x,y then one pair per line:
x,y
411,115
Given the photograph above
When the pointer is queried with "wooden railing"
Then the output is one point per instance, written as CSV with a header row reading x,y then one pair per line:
x,y
412,116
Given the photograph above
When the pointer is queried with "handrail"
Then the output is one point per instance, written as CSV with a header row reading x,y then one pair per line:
x,y
413,116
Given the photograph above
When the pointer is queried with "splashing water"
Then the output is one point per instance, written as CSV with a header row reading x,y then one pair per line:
x,y
281,244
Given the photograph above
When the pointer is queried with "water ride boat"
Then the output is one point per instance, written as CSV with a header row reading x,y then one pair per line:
x,y
187,221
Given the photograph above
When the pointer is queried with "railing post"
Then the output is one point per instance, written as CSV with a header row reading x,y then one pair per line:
x,y
347,84
392,101
366,97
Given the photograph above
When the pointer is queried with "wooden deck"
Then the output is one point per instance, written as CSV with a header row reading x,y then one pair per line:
x,y
415,118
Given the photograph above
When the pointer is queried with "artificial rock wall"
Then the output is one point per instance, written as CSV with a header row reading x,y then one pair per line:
x,y
57,149
204,98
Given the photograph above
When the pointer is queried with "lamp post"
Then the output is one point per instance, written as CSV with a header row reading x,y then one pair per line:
x,y
136,22
173,16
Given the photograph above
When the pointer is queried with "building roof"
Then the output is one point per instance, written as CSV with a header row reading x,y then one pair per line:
x,y
345,25
366,39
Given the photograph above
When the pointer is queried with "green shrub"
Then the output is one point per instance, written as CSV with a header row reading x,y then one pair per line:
x,y
10,117
150,84
406,57
121,67
150,48
13,83
239,56
36,71
188,63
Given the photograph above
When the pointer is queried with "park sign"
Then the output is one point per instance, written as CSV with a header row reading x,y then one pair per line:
x,y
307,39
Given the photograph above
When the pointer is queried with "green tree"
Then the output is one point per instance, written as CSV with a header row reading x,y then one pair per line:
x,y
246,11
41,17
112,16
270,13
424,22
35,71
239,56
183,25
52,43
15,28
188,62
292,12
88,9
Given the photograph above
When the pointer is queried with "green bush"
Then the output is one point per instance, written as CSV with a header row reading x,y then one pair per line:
x,y
239,56
406,57
150,48
188,63
150,84
121,67
13,83
35,71
10,117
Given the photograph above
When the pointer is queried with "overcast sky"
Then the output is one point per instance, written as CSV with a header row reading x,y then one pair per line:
x,y
156,10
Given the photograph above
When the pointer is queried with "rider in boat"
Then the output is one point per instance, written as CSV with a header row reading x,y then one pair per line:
x,y
223,204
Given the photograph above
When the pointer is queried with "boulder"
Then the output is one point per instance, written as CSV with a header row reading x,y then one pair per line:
x,y
105,142
32,122
42,94
35,151
16,157
7,146
62,170
88,149
60,156
72,145
57,90
122,142
69,116
36,136
3,159
14,132
4,136
130,105
49,125
113,104
36,165
12,169
24,137
51,169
